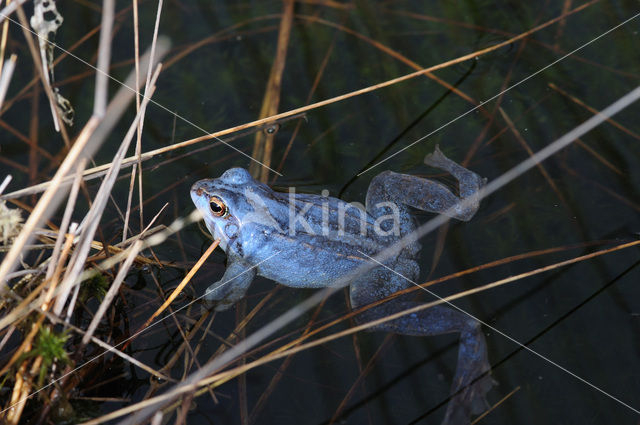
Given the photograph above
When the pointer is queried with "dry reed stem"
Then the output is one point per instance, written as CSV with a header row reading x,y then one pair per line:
x,y
530,152
279,374
113,291
57,270
225,376
5,78
263,143
293,347
138,151
502,400
362,374
393,53
104,57
136,56
24,346
26,305
262,151
3,43
594,111
39,61
66,217
10,8
584,179
88,141
599,157
510,34
46,204
565,8
182,284
92,219
42,186
109,349
21,388
497,183
56,61
64,292
5,183
312,90
138,165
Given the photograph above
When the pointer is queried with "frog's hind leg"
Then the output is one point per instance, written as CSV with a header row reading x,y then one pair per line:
x,y
471,381
427,195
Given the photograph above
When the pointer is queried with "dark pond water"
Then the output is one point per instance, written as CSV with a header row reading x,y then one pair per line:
x,y
584,317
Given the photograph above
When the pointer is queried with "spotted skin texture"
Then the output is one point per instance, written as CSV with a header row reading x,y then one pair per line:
x,y
311,241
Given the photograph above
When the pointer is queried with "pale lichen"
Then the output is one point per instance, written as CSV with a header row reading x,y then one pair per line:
x,y
45,21
10,223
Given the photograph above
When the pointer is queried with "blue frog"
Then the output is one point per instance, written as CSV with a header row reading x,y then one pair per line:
x,y
312,241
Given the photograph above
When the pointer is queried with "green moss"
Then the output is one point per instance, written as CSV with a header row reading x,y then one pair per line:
x,y
96,286
50,346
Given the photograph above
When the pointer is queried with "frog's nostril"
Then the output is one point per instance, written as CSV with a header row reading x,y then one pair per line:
x,y
199,191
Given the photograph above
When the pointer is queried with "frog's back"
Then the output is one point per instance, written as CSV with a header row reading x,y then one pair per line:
x,y
316,239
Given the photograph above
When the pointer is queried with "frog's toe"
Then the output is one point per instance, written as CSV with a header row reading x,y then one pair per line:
x,y
215,305
222,305
205,309
208,304
436,158
469,401
478,396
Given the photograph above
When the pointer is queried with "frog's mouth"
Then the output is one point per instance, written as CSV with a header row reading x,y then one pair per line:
x,y
217,233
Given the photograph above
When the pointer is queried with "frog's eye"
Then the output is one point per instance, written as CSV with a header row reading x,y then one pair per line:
x,y
218,208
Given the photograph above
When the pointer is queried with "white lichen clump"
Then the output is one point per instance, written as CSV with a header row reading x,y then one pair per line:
x,y
10,223
45,21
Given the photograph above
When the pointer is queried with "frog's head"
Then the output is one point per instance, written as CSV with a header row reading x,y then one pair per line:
x,y
223,203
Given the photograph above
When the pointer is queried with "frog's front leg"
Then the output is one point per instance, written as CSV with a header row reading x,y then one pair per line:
x,y
232,287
